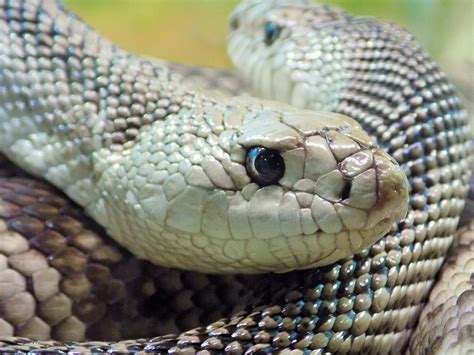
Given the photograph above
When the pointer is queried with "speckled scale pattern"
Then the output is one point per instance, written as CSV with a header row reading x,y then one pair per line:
x,y
98,83
77,265
378,74
446,324
415,113
369,303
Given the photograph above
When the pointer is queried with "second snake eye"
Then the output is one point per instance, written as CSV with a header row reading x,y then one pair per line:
x,y
271,32
264,166
234,23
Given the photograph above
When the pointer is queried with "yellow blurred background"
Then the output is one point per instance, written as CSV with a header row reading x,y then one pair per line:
x,y
194,31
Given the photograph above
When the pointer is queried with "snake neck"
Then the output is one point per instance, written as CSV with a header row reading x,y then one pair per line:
x,y
51,122
73,104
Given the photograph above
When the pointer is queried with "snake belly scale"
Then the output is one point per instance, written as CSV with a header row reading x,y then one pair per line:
x,y
122,136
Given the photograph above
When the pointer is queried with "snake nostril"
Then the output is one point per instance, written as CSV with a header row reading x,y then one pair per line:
x,y
346,190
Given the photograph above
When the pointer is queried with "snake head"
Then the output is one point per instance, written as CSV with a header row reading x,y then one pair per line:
x,y
289,51
334,192
266,189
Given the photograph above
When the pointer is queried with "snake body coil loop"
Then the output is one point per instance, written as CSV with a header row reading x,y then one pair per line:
x,y
193,179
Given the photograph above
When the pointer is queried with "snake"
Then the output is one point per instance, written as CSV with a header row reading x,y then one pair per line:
x,y
318,224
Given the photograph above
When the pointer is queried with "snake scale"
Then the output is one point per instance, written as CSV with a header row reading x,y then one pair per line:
x,y
85,113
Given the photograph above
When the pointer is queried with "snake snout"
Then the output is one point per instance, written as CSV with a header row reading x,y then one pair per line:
x,y
392,191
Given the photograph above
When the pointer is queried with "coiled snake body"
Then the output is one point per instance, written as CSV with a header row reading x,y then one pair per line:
x,y
197,180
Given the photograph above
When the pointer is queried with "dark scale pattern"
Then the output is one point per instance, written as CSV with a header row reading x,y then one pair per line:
x,y
366,304
401,97
446,325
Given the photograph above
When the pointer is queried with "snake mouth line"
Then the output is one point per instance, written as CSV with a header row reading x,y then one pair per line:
x,y
300,252
345,243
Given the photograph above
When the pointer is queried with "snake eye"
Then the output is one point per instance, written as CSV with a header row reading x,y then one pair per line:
x,y
265,166
234,23
272,32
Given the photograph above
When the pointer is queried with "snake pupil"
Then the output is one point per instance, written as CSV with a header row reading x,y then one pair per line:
x,y
272,32
265,166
